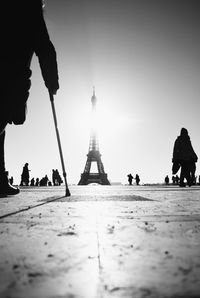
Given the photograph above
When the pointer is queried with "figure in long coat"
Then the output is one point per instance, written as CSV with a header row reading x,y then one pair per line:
x,y
185,157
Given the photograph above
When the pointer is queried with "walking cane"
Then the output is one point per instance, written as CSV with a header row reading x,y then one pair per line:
x,y
67,193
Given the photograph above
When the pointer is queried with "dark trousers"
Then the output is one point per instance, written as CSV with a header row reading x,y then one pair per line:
x,y
187,172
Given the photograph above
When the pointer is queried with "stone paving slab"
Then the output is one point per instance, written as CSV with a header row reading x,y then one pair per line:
x,y
101,242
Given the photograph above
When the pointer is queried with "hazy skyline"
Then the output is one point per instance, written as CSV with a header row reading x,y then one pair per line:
x,y
143,58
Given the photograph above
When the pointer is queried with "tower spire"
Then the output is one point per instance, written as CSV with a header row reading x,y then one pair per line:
x,y
94,156
94,99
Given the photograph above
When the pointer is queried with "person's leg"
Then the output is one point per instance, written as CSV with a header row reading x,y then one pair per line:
x,y
5,187
186,172
188,177
192,171
182,174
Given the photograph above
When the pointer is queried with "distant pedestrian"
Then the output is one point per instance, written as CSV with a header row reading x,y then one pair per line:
x,y
130,179
58,177
37,182
11,180
167,180
184,155
25,175
44,181
173,179
177,179
32,182
54,177
137,179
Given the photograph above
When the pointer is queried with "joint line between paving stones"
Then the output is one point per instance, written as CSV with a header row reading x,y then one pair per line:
x,y
29,207
99,261
98,248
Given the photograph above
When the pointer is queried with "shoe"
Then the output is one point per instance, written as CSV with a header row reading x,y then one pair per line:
x,y
5,188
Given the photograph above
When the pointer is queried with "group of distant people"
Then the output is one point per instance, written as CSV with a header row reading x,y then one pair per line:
x,y
130,179
175,180
44,181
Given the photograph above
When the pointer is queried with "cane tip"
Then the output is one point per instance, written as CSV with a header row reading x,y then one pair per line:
x,y
67,193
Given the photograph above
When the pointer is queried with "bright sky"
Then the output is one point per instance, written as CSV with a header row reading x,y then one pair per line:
x,y
143,57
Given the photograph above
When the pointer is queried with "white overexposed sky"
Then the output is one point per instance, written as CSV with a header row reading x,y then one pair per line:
x,y
143,57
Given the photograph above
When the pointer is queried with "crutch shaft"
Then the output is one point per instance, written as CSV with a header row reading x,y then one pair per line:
x,y
59,142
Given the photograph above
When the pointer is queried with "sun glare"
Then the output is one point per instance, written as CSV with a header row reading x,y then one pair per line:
x,y
105,121
110,120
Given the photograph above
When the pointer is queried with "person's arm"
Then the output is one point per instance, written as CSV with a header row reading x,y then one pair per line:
x,y
45,50
194,156
175,151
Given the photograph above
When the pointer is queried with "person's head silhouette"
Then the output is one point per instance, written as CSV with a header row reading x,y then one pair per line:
x,y
184,132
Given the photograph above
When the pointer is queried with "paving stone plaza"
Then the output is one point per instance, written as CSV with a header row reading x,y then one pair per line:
x,y
102,242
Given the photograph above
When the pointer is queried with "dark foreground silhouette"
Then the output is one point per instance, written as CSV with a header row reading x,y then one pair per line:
x,y
185,158
23,34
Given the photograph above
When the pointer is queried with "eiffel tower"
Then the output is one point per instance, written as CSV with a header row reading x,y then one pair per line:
x,y
94,155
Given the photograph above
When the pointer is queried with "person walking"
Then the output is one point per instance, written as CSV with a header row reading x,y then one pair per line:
x,y
54,177
58,177
167,180
11,180
130,179
185,157
25,175
37,182
137,179
23,34
32,182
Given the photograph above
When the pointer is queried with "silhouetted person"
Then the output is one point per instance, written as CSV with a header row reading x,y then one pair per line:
x,y
44,181
183,153
25,175
130,179
58,178
167,180
137,179
23,33
32,182
54,177
177,179
173,179
37,182
11,180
